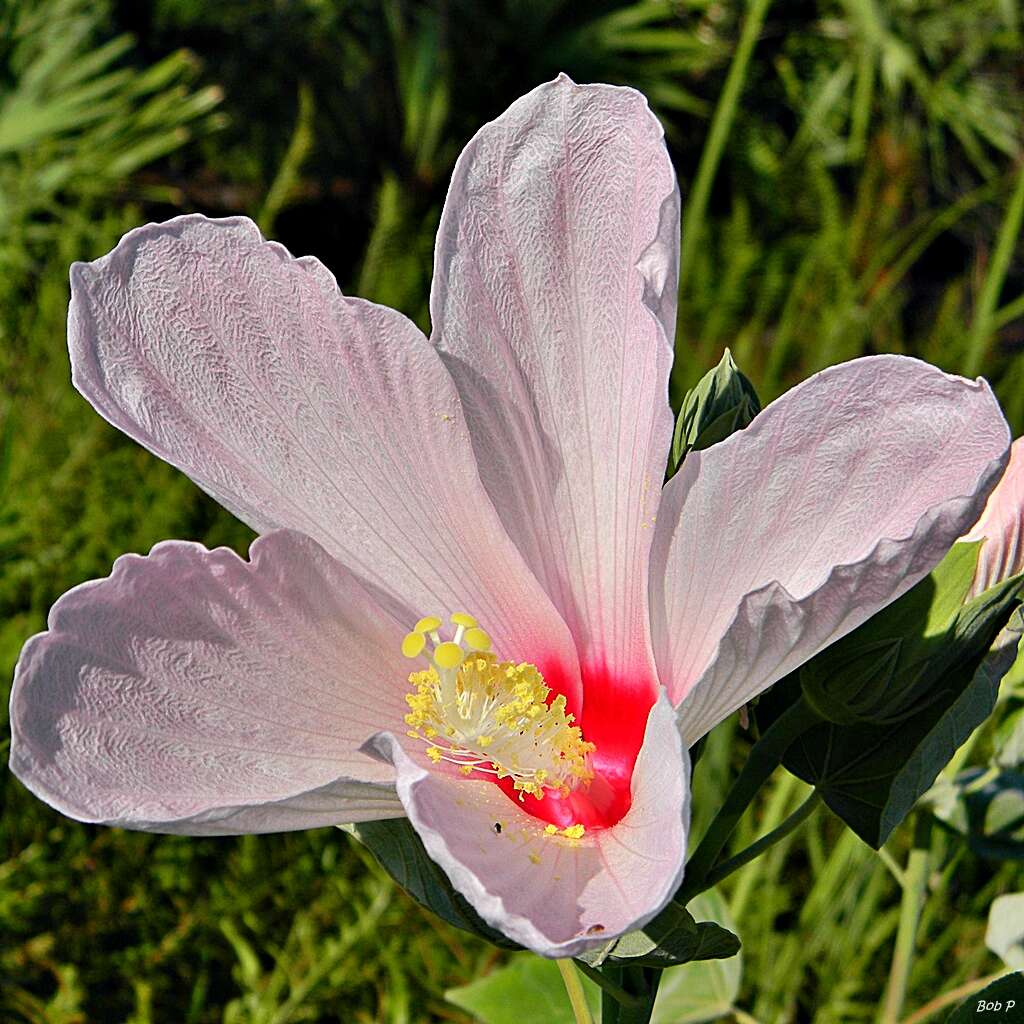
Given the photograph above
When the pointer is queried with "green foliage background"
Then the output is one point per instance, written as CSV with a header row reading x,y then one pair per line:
x,y
854,186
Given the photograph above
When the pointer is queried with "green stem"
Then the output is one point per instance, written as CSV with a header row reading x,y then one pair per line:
x,y
1009,231
574,990
894,869
749,880
608,985
765,756
797,818
897,255
287,177
914,889
742,1017
640,984
1013,310
721,123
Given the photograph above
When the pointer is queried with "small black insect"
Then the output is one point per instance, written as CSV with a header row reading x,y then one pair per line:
x,y
497,828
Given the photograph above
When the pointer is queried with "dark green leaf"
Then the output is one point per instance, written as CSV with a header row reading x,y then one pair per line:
x,y
886,744
878,672
848,685
703,990
672,938
723,402
398,850
1001,1001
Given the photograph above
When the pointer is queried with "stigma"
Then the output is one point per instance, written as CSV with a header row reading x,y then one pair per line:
x,y
491,716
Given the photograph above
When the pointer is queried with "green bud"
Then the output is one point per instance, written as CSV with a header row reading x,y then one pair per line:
x,y
851,686
723,402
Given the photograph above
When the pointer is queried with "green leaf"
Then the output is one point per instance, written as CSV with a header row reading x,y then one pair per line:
x,y
527,988
1008,741
671,938
704,990
986,807
1005,934
878,672
847,685
991,1003
900,694
399,850
723,402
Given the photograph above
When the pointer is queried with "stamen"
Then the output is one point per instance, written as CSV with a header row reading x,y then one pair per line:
x,y
477,640
413,644
448,655
467,702
572,832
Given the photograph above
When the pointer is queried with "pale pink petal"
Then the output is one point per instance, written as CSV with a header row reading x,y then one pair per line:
x,y
554,305
839,497
297,407
194,692
1001,525
555,896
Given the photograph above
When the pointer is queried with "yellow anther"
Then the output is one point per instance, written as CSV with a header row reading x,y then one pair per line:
x,y
413,644
476,639
448,655
550,830
573,832
492,717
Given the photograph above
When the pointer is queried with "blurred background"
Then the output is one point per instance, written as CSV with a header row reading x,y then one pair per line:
x,y
851,174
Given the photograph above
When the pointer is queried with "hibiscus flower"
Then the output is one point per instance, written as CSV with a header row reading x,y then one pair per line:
x,y
471,602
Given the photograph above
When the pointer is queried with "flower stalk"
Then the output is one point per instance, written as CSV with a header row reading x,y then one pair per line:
x,y
574,990
762,845
765,756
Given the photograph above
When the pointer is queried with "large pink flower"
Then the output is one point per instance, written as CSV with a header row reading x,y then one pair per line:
x,y
510,468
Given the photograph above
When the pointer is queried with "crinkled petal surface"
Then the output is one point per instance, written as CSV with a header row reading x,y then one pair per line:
x,y
1001,526
838,498
556,896
554,306
297,407
194,692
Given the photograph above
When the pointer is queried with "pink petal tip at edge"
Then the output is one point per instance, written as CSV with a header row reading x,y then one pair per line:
x,y
1000,526
487,504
